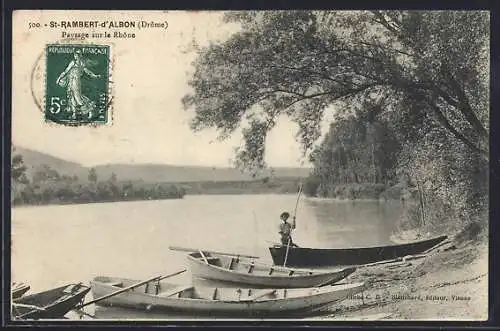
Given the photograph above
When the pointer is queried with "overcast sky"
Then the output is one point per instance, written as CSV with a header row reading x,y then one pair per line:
x,y
150,76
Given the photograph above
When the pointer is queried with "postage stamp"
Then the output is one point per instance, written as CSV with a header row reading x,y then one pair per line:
x,y
77,81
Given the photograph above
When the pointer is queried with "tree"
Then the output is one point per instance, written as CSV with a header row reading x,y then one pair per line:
x,y
92,176
44,173
18,171
303,63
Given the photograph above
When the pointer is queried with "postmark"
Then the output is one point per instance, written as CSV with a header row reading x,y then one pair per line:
x,y
77,78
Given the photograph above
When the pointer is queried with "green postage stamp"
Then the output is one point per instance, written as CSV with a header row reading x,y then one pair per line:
x,y
77,84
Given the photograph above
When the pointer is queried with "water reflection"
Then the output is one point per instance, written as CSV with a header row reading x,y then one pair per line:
x,y
353,223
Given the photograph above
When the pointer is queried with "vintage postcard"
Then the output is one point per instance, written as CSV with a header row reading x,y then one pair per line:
x,y
274,165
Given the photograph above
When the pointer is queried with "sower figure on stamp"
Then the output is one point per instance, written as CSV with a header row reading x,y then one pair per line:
x,y
286,230
71,78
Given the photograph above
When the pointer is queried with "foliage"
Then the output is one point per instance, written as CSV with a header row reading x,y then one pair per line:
x,y
258,186
357,149
301,63
47,186
409,90
18,171
92,176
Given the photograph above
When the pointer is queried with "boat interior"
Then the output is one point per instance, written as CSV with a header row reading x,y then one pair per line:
x,y
18,289
247,266
49,297
177,291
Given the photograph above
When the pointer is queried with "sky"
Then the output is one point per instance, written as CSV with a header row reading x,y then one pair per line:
x,y
150,74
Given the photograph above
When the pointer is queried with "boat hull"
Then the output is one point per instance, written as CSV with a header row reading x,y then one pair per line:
x,y
18,290
313,257
55,303
259,275
300,301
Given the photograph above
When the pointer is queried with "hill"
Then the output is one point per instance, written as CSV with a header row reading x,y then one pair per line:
x,y
150,172
33,159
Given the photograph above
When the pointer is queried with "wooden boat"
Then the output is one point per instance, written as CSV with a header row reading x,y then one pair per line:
x,y
19,289
51,304
248,272
201,300
315,257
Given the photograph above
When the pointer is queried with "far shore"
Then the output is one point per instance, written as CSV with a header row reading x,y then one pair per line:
x,y
240,193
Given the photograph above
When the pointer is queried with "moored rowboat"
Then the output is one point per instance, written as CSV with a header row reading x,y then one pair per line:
x,y
19,289
51,304
221,301
248,272
316,257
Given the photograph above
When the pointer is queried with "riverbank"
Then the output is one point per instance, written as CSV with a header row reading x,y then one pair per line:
x,y
67,192
266,185
451,283
362,191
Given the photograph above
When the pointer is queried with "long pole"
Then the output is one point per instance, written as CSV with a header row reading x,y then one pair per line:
x,y
294,224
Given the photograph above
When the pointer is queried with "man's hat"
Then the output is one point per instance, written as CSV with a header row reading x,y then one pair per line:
x,y
285,214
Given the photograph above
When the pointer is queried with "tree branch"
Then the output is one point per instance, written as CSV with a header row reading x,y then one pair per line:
x,y
465,108
444,121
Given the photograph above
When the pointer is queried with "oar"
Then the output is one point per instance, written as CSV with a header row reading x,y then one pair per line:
x,y
183,249
294,224
22,305
128,288
203,256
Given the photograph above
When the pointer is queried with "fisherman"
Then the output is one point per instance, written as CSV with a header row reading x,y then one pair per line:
x,y
286,230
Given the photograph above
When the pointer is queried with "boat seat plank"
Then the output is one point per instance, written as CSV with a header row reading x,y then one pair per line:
x,y
231,262
174,291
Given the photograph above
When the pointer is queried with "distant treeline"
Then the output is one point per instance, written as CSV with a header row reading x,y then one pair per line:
x,y
47,186
257,186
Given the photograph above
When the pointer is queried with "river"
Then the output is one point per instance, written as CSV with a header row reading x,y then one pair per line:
x,y
54,245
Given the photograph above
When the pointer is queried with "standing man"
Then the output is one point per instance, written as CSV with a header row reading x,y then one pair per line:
x,y
286,230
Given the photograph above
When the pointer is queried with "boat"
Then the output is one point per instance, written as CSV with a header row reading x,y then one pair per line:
x,y
50,304
19,289
233,270
225,301
317,257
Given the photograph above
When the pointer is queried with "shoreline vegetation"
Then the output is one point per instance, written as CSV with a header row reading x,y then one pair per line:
x,y
46,186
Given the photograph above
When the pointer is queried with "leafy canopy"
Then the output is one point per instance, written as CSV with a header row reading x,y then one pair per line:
x,y
303,63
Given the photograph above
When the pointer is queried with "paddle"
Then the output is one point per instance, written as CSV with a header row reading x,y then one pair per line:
x,y
183,249
294,224
128,288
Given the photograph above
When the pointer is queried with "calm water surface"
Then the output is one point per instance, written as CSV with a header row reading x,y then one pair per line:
x,y
54,245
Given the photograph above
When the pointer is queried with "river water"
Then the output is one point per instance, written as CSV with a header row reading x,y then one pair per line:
x,y
54,245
